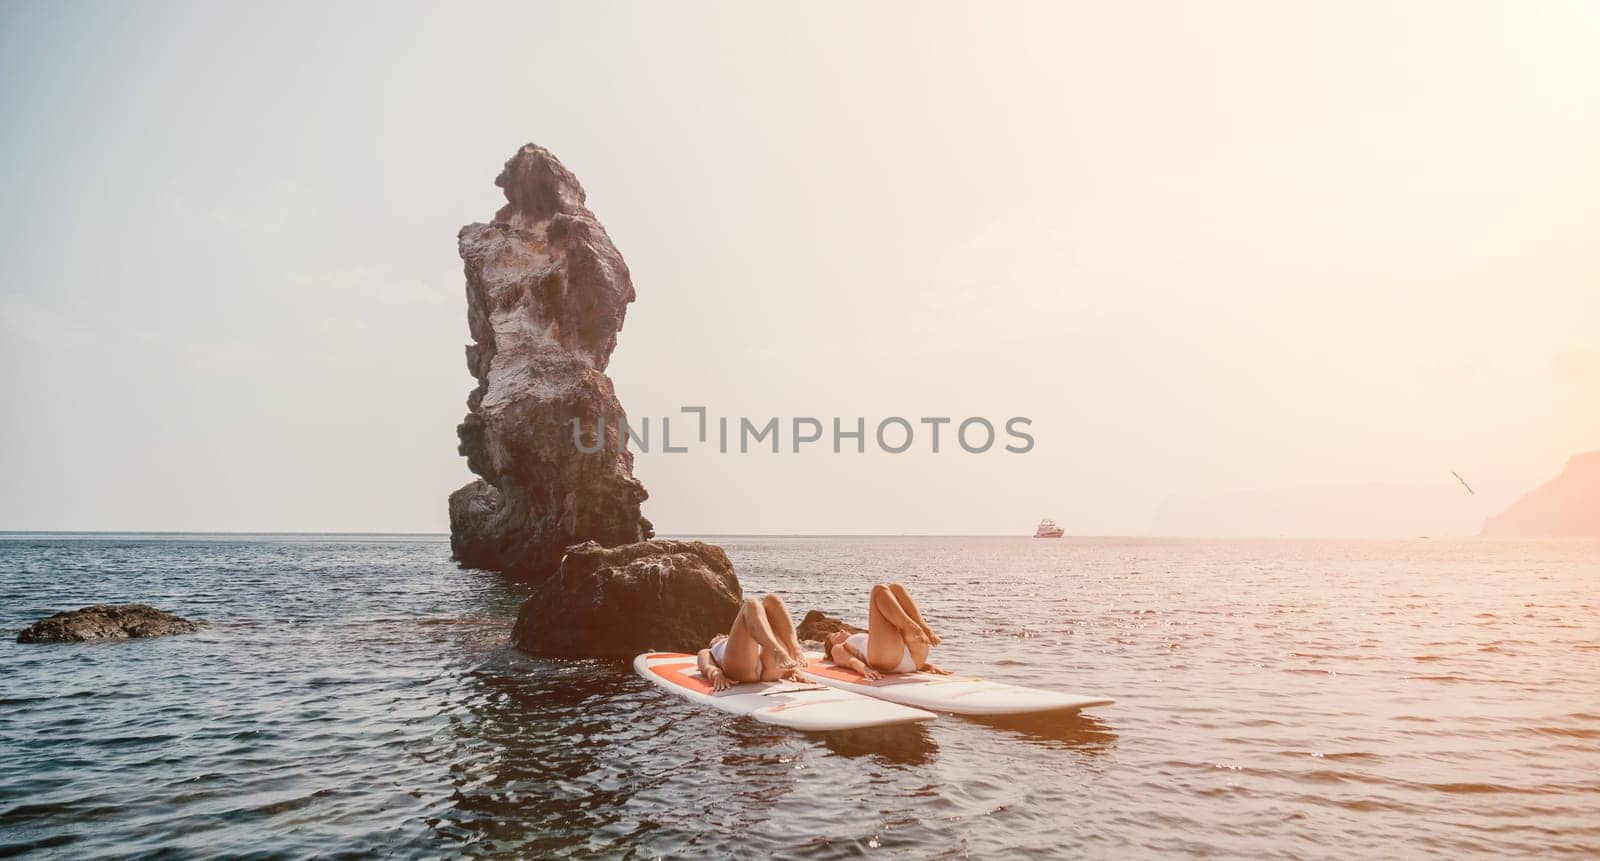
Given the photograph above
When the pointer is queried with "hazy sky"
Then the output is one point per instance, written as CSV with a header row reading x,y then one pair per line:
x,y
1251,268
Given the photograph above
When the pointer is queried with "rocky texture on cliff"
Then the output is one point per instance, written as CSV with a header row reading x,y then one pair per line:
x,y
546,296
1565,506
818,624
617,602
106,622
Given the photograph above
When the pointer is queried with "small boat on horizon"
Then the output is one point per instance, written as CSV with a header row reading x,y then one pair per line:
x,y
1048,529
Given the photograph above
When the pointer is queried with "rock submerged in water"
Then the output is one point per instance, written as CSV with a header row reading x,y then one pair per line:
x,y
817,625
546,296
617,602
106,622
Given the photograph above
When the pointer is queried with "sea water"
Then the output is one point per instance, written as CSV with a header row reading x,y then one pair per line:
x,y
358,695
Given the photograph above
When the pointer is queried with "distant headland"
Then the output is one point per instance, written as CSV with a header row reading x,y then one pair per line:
x,y
1565,506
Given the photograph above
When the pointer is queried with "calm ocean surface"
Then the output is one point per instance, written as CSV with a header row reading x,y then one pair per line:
x,y
356,696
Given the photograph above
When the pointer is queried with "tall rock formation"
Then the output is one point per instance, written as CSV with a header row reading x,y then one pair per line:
x,y
1565,506
546,296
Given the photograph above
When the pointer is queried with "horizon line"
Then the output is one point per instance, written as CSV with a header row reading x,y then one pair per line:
x,y
697,535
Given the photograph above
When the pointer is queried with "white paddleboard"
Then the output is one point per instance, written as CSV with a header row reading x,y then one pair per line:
x,y
962,695
797,705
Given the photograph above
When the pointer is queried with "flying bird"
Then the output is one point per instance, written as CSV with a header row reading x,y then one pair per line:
x,y
1463,482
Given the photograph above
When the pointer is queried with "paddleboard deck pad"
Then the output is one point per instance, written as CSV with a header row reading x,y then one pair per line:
x,y
962,695
812,707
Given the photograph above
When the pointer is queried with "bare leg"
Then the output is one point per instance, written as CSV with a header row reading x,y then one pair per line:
x,y
891,632
757,632
910,607
741,661
783,627
769,666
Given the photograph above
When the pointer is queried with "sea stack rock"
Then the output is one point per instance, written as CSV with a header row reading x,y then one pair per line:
x,y
106,622
546,296
1567,506
617,602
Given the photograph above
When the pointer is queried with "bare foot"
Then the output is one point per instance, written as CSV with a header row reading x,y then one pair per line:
x,y
786,662
799,655
933,639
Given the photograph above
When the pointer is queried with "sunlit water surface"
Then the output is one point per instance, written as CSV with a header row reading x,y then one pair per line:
x,y
356,696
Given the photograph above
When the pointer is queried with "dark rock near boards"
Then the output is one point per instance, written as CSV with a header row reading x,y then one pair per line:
x,y
617,602
106,622
817,625
546,296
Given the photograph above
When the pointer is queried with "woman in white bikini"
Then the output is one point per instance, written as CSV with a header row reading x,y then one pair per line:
x,y
897,639
760,646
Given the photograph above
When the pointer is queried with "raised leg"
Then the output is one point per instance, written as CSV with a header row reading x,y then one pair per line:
x,y
741,661
891,632
782,625
769,666
910,607
752,666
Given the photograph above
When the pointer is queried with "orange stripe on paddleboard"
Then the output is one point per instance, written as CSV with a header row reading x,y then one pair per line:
x,y
845,674
840,673
656,655
678,674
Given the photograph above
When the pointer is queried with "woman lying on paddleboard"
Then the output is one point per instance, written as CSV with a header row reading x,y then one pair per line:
x,y
897,639
760,646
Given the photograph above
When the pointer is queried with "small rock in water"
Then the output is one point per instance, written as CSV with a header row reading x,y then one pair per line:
x,y
817,625
106,622
615,602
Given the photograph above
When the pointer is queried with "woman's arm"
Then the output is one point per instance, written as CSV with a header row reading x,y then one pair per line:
x,y
845,656
712,672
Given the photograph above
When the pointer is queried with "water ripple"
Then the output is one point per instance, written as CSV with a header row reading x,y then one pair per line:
x,y
356,696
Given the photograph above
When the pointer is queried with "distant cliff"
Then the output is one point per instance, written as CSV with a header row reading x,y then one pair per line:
x,y
1567,505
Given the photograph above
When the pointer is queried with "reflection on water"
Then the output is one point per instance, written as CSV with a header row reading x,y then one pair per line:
x,y
907,744
1079,731
359,696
